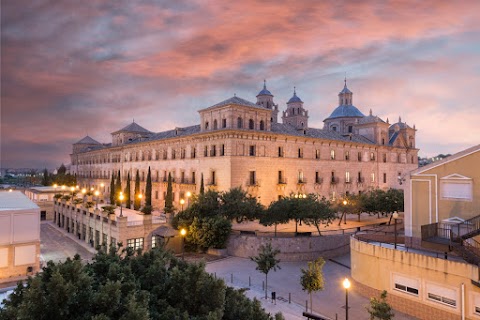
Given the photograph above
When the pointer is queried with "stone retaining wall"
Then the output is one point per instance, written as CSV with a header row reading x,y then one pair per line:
x,y
292,248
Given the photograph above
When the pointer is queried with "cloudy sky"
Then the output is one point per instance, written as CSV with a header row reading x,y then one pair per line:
x,y
72,68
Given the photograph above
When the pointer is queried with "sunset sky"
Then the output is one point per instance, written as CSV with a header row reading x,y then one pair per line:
x,y
72,68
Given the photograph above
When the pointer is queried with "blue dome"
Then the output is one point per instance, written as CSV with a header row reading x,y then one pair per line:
x,y
294,98
265,92
346,111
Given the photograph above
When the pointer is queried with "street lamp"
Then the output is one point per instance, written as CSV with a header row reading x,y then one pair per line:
x,y
63,189
140,196
183,232
121,197
345,202
97,193
188,195
182,202
346,285
395,217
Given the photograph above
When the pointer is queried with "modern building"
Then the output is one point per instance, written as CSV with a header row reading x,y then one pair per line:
x,y
43,197
19,236
239,143
437,275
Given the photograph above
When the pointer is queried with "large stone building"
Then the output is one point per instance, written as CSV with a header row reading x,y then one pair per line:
x,y
241,143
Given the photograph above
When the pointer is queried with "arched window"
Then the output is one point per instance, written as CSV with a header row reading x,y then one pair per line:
x,y
262,125
251,124
239,123
215,124
206,125
224,123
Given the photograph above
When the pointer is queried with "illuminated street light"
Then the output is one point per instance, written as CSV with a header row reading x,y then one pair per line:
x,y
182,202
183,232
346,285
121,197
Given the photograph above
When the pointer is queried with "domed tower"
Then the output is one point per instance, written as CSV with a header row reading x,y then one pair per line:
x,y
344,117
265,99
295,115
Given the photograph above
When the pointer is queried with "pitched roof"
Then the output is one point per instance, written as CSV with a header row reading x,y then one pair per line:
x,y
133,127
451,158
87,140
238,101
318,133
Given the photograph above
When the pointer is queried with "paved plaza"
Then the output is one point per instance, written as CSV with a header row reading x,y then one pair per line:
x,y
330,302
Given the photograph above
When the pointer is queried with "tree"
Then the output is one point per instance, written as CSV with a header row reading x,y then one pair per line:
x,y
316,211
266,261
277,213
128,192
379,308
128,285
118,188
148,189
45,178
237,204
209,232
112,189
169,196
312,278
136,200
202,187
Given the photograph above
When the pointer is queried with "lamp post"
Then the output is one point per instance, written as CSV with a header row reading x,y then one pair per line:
x,y
188,195
182,202
121,197
395,217
346,285
183,232
345,202
140,196
63,189
97,193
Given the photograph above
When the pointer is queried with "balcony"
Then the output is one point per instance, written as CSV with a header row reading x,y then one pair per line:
x,y
253,183
360,180
282,181
318,180
334,180
301,181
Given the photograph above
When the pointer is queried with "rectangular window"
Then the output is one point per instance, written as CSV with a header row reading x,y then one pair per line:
x,y
173,154
213,179
156,194
317,154
280,152
182,177
347,155
194,153
136,243
404,284
332,154
252,180
222,150
372,156
251,151
301,178
213,151
456,190
359,156
359,177
300,153
224,123
441,295
281,179
113,241
193,177
318,179
373,177
384,178
205,152
154,241
384,157
347,177
333,179
104,239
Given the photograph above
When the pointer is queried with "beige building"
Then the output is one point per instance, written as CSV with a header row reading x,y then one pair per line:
x,y
241,143
442,213
43,197
442,196
98,228
19,236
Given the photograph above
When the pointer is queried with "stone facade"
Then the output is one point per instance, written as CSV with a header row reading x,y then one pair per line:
x,y
241,144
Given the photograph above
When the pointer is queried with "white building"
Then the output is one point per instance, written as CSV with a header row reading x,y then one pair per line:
x,y
19,236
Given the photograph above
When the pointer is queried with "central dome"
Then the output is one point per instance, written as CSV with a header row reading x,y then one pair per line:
x,y
345,112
